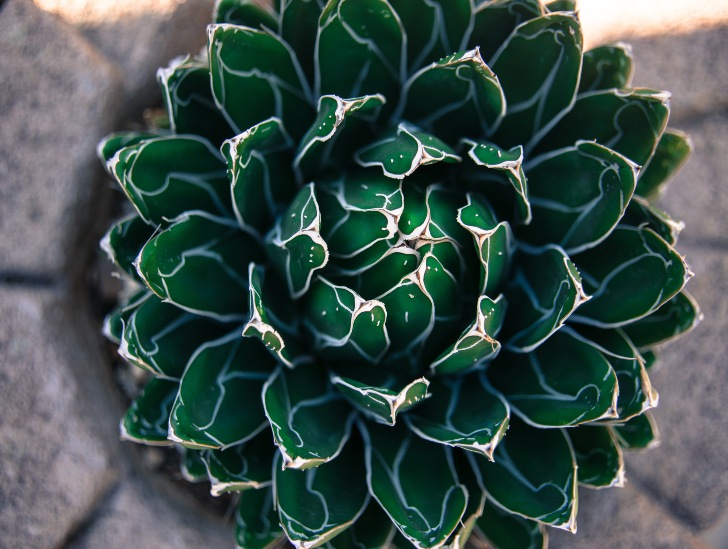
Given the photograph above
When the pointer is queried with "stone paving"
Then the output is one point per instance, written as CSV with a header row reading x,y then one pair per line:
x,y
70,73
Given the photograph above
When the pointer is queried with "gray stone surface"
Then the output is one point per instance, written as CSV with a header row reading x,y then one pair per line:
x,y
141,513
56,459
623,518
689,471
56,101
138,37
691,66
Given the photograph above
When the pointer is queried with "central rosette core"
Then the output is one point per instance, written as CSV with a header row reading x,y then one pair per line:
x,y
390,272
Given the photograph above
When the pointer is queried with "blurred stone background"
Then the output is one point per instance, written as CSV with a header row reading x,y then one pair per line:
x,y
71,71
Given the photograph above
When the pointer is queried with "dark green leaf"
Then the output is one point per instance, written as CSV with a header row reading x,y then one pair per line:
x,y
116,321
110,145
372,530
426,512
629,122
640,213
161,338
470,478
434,28
147,420
533,475
598,456
495,20
311,423
382,403
359,49
258,66
312,505
458,96
675,318
538,67
561,5
188,98
508,531
545,291
256,520
477,344
247,13
219,398
400,154
637,433
295,244
464,412
333,136
577,195
261,178
192,466
242,466
164,177
673,150
298,23
629,275
564,382
607,67
123,242
199,263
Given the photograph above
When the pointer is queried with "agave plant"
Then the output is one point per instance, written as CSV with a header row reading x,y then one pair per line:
x,y
398,277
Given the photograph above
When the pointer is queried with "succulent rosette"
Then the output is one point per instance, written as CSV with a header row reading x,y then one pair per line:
x,y
398,274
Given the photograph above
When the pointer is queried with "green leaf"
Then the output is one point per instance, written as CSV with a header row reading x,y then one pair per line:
x,y
218,404
338,128
457,96
673,319
164,177
427,513
247,13
256,520
257,65
188,98
464,412
344,326
545,291
192,466
312,505
635,390
578,195
598,456
111,144
265,325
295,244
381,403
123,241
199,264
311,423
564,382
161,338
372,530
477,345
508,531
147,419
400,154
495,20
607,67
538,67
509,163
116,321
561,5
298,23
673,150
630,259
470,478
259,169
359,49
629,122
434,28
640,213
242,466
533,475
638,433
